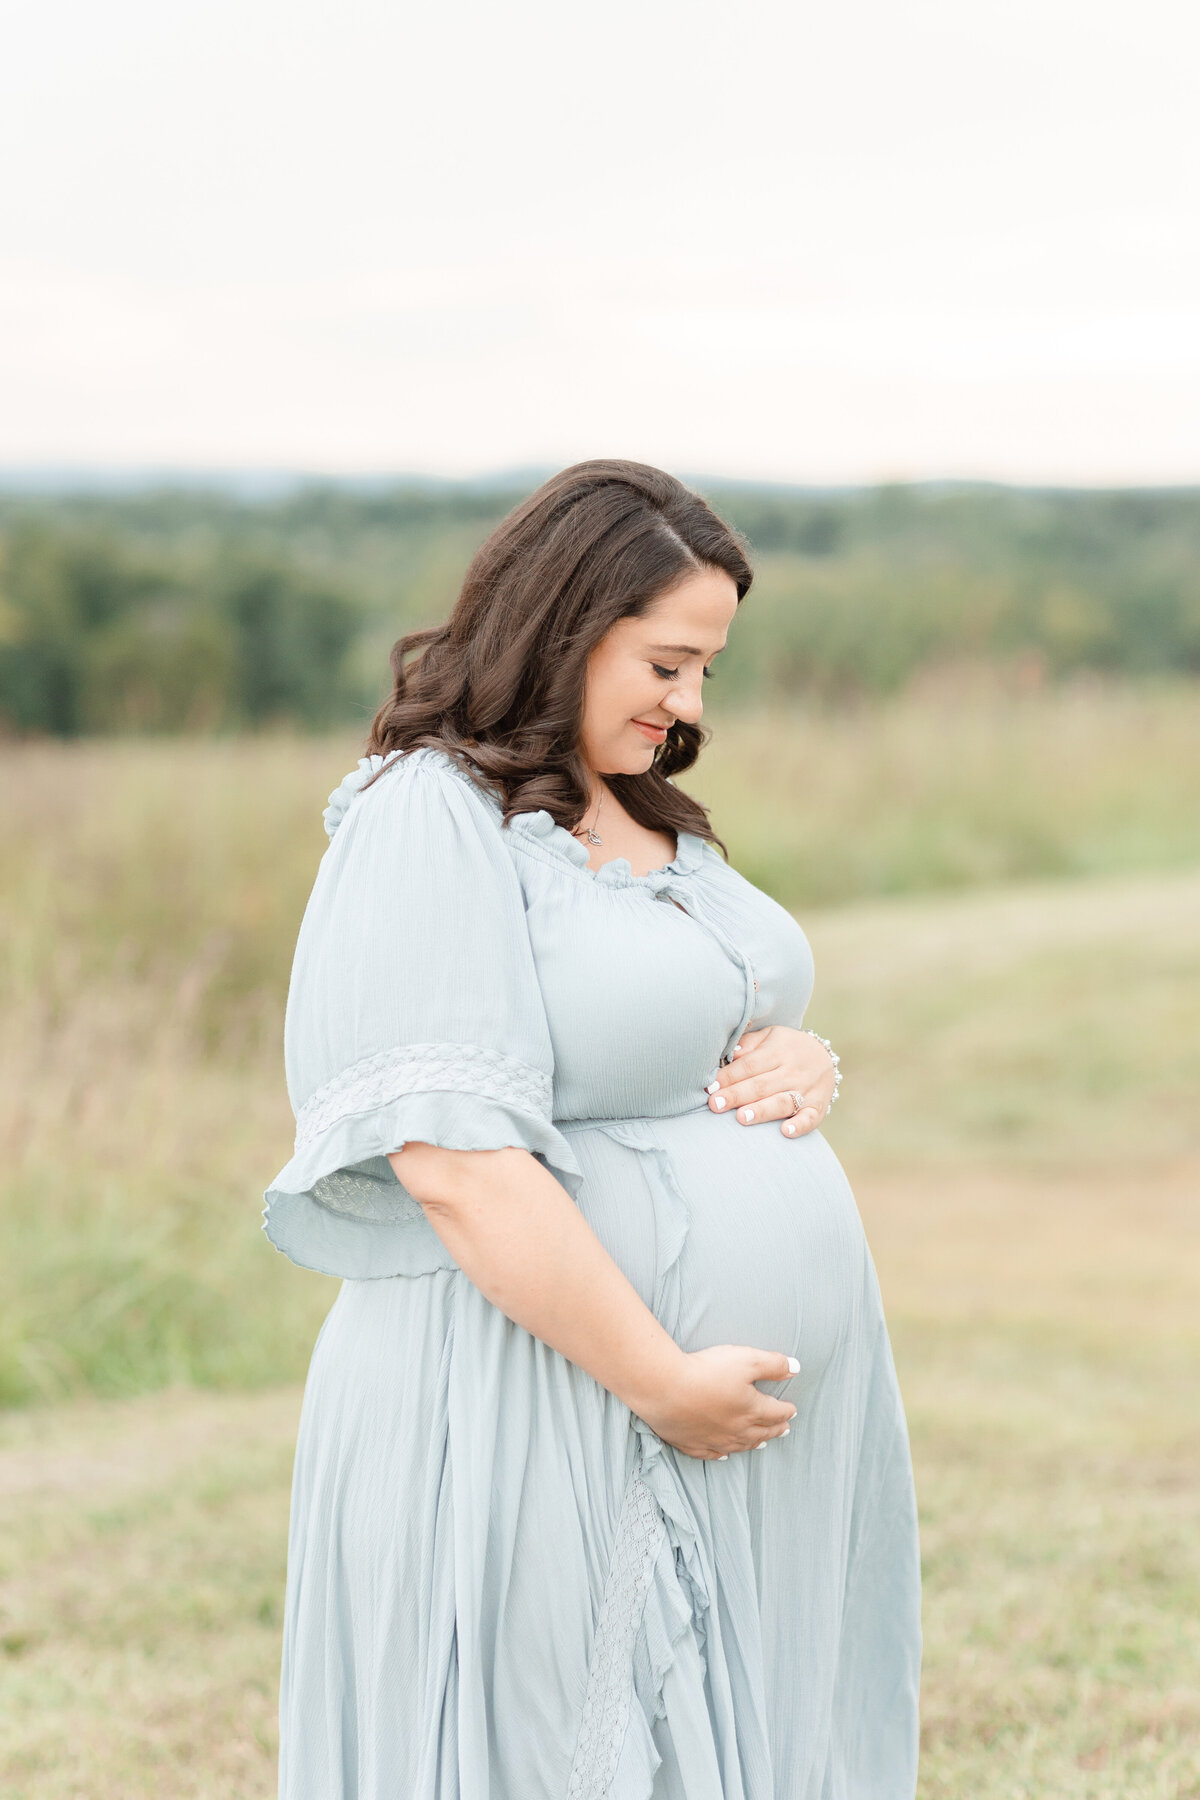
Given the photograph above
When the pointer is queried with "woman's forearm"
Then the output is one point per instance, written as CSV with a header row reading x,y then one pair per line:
x,y
521,1240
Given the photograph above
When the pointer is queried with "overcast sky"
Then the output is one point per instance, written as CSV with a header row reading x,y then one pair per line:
x,y
860,241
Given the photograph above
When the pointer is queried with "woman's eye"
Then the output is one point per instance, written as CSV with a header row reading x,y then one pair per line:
x,y
673,674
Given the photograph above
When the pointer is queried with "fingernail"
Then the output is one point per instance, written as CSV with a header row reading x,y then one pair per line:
x,y
722,1459
748,1115
714,1087
736,1048
719,1104
790,1130
761,1446
785,1431
793,1366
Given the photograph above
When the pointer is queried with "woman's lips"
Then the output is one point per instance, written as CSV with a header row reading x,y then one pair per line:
x,y
656,733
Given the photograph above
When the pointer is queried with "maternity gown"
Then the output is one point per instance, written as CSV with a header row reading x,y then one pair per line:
x,y
501,1584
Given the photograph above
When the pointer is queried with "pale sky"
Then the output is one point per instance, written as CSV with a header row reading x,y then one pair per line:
x,y
853,242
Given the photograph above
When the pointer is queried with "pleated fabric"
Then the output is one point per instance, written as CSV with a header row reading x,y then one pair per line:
x,y
501,1584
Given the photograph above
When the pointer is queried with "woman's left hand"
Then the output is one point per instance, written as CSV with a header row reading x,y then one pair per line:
x,y
766,1064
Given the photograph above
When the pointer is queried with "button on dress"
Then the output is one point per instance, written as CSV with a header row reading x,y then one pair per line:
x,y
502,1585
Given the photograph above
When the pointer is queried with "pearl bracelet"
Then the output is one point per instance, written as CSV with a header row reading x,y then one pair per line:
x,y
834,1058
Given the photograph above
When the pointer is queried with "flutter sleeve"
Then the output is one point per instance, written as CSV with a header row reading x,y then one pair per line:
x,y
414,1012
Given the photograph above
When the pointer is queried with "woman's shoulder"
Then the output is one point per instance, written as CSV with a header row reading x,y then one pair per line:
x,y
397,771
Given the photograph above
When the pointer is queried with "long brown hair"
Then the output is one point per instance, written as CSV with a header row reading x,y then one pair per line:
x,y
500,686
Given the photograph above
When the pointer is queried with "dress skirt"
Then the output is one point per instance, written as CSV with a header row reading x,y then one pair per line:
x,y
504,1586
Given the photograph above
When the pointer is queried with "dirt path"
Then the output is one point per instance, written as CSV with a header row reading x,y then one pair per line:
x,y
140,1594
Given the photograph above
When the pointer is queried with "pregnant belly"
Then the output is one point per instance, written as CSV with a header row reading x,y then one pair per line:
x,y
774,1252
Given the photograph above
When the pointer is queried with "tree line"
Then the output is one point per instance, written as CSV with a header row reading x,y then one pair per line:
x,y
191,611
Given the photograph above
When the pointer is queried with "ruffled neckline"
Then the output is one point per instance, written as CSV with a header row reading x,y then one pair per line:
x,y
618,870
540,827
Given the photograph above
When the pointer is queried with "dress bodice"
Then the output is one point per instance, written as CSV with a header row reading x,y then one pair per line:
x,y
467,983
645,998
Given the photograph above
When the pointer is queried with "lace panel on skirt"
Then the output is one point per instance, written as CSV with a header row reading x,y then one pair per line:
x,y
605,1717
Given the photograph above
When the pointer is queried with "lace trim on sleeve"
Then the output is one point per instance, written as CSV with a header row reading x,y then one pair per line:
x,y
423,1069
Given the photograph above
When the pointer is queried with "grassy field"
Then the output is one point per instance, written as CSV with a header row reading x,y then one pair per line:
x,y
1002,896
1047,1340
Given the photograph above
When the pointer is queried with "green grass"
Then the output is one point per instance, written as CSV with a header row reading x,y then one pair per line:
x,y
1058,1485
1019,1118
1053,1025
149,924
140,1596
957,784
1047,1343
149,918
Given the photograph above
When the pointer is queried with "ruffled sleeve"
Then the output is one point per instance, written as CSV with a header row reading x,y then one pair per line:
x,y
414,1012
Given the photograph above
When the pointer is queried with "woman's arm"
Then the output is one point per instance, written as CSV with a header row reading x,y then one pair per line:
x,y
522,1241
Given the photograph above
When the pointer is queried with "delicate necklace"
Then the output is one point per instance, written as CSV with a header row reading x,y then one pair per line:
x,y
592,838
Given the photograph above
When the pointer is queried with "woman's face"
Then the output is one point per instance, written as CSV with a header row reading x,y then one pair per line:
x,y
647,672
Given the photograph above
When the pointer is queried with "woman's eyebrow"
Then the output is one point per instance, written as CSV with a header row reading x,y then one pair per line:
x,y
679,649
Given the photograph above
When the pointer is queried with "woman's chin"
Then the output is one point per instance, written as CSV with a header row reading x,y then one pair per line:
x,y
635,759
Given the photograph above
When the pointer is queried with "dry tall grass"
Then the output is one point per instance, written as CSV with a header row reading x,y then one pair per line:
x,y
1020,1120
149,906
962,782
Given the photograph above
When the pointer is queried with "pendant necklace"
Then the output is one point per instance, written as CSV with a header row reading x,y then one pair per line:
x,y
592,837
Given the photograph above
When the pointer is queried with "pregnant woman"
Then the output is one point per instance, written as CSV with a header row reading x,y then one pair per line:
x,y
603,1488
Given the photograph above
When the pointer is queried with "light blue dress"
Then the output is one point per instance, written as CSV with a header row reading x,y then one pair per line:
x,y
501,1584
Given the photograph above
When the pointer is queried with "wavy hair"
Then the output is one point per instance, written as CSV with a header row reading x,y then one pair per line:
x,y
500,685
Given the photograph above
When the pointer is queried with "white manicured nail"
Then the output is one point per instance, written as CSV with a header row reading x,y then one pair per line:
x,y
719,1104
723,1459
789,1130
714,1087
785,1431
793,1366
761,1446
749,1115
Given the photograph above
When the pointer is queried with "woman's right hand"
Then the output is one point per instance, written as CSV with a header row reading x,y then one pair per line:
x,y
712,1406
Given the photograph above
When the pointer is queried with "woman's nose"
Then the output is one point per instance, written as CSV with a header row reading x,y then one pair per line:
x,y
685,701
